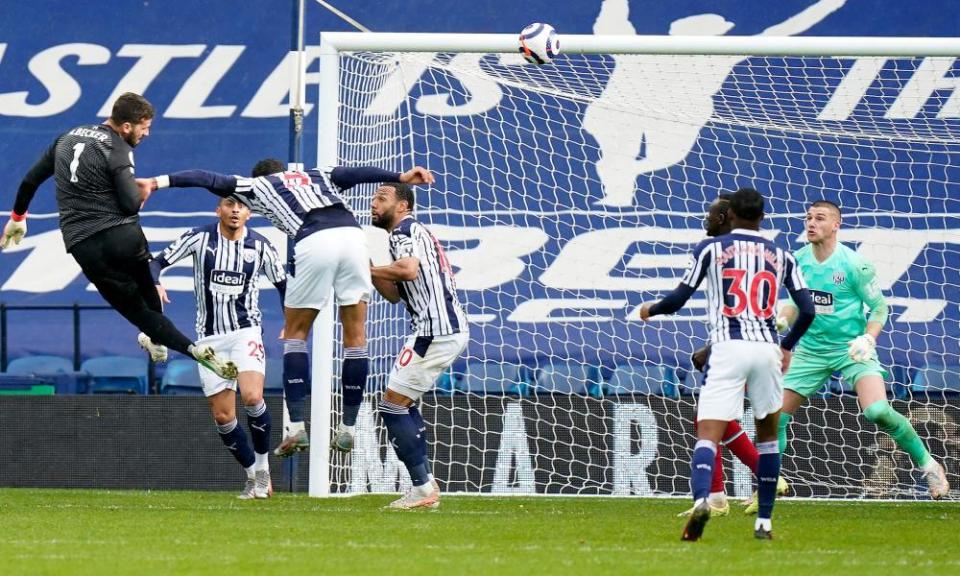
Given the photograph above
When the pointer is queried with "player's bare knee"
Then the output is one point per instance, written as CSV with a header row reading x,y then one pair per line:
x,y
394,397
251,387
252,397
223,415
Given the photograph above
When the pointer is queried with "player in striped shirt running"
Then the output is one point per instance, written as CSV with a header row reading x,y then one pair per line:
x,y
228,259
744,272
421,277
330,260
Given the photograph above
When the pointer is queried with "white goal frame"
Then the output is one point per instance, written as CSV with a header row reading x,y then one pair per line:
x,y
332,43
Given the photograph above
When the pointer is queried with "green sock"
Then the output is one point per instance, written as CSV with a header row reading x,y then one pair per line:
x,y
899,428
782,430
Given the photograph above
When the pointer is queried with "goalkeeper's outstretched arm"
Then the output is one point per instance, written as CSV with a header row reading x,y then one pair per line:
x,y
16,227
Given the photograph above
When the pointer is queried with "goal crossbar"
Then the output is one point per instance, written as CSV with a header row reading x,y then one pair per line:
x,y
648,44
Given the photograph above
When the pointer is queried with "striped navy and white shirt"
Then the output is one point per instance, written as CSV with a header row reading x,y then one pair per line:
x,y
286,198
225,276
431,297
297,202
743,272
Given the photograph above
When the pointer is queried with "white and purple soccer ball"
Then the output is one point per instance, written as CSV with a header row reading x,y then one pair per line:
x,y
539,43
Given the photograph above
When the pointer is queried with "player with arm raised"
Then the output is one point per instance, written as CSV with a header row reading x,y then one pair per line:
x,y
99,204
744,272
717,223
330,259
227,261
843,338
421,277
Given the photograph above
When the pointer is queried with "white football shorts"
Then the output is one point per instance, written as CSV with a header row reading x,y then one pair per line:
x,y
244,347
422,360
335,261
736,367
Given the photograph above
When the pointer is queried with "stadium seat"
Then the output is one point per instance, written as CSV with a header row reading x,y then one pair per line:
x,y
11,384
450,382
55,370
573,378
937,379
116,375
642,379
40,365
691,384
493,378
182,378
273,381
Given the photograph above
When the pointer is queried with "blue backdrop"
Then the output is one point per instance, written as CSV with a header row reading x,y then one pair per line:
x,y
211,69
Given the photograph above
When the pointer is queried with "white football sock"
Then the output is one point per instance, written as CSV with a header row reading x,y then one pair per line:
x,y
262,462
251,471
295,427
424,490
763,523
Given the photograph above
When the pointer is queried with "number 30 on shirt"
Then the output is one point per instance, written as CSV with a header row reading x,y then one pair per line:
x,y
759,293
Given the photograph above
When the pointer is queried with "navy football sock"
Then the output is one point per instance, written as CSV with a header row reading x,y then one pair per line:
x,y
235,440
356,366
259,421
422,432
402,433
296,377
768,471
701,469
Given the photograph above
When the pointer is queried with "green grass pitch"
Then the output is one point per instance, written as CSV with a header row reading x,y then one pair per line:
x,y
125,532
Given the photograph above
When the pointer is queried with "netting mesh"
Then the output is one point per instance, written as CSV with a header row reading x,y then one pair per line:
x,y
569,194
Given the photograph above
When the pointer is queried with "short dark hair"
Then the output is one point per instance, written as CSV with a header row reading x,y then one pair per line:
x,y
404,192
266,167
724,197
826,204
132,108
747,203
231,198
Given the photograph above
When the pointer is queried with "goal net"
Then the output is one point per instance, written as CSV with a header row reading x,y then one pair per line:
x,y
568,194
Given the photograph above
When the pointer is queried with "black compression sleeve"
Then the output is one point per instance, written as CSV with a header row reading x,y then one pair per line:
x,y
36,176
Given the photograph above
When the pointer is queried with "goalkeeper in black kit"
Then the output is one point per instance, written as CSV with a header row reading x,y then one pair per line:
x,y
99,204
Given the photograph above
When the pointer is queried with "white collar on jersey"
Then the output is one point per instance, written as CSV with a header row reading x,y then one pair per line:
x,y
746,231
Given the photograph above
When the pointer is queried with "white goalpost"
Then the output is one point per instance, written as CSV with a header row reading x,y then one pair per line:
x,y
570,193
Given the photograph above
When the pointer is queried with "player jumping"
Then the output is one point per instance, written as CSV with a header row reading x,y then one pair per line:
x,y
330,260
99,204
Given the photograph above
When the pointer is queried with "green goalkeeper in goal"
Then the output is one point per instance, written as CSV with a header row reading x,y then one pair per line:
x,y
843,339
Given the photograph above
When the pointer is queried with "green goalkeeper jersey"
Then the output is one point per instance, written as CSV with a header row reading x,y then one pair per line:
x,y
839,286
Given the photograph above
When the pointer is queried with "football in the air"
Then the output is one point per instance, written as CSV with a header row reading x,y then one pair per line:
x,y
539,43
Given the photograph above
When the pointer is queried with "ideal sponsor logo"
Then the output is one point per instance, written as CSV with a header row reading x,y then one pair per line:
x,y
822,301
227,282
227,277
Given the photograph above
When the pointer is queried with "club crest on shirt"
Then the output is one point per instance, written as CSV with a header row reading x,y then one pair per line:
x,y
249,256
839,277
